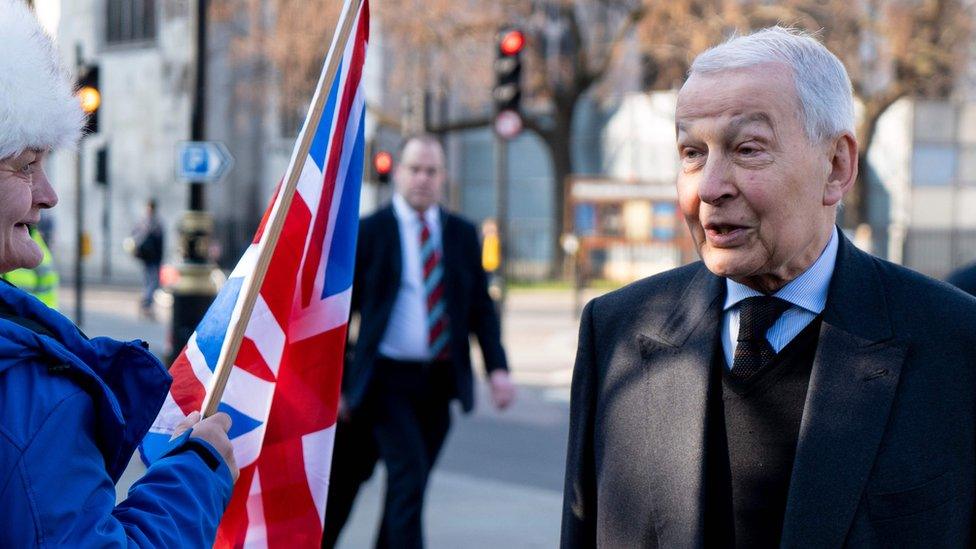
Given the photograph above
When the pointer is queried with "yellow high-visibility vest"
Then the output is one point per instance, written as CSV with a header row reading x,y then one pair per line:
x,y
491,255
41,281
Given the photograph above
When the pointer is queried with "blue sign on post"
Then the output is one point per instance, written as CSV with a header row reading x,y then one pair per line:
x,y
202,161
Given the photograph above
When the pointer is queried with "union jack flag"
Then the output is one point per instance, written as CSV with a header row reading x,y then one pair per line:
x,y
283,391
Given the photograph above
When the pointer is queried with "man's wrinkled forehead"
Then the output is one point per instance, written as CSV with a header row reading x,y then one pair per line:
x,y
734,97
736,122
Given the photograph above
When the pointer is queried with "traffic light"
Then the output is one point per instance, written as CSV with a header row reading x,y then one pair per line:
x,y
508,70
383,165
90,95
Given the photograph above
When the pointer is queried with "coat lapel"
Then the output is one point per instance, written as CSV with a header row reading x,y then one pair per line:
x,y
677,360
451,261
852,385
393,249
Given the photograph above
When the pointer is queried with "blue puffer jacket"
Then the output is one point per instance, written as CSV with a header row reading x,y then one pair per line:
x,y
72,411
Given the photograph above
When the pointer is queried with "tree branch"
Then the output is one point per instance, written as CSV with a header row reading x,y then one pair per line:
x,y
460,125
593,74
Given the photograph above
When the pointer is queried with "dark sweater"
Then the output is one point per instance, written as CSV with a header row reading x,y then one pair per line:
x,y
753,431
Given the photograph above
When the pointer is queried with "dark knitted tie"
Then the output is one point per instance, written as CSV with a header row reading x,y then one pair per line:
x,y
753,352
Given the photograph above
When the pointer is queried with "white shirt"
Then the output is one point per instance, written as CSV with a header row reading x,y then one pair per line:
x,y
406,336
807,293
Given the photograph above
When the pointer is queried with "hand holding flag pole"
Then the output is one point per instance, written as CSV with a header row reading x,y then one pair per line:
x,y
269,238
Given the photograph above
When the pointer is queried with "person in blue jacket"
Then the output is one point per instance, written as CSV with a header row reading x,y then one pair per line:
x,y
73,409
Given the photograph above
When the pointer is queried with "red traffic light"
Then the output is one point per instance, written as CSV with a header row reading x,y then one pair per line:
x,y
383,163
511,42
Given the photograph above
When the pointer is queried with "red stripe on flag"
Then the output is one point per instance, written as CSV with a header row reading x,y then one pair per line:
x,y
250,360
233,525
314,257
290,515
278,290
306,400
187,390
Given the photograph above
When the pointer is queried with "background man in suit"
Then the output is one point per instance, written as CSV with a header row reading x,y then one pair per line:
x,y
788,389
421,291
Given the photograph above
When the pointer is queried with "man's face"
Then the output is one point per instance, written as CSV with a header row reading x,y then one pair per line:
x,y
751,184
24,190
420,174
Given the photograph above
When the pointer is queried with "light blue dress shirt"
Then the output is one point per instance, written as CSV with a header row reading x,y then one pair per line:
x,y
406,336
807,293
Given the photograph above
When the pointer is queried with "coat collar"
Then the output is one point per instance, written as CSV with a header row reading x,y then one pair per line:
x,y
852,385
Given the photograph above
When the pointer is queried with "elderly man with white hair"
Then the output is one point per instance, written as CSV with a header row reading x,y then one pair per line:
x,y
788,389
73,409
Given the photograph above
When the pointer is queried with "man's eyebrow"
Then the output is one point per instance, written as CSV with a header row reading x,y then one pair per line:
x,y
743,120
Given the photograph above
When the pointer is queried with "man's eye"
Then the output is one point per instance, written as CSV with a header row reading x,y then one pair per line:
x,y
748,149
28,168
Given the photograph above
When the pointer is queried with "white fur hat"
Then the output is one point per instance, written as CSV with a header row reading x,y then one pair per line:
x,y
38,108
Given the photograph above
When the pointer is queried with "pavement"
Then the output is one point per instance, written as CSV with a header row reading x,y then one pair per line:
x,y
499,480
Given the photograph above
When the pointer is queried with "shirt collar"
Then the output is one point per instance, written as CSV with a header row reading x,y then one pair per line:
x,y
807,291
404,212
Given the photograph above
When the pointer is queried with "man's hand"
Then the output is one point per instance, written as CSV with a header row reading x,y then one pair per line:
x,y
502,389
213,430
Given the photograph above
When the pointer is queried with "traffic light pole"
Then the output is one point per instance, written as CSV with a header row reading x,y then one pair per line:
x,y
79,214
195,290
501,209
79,234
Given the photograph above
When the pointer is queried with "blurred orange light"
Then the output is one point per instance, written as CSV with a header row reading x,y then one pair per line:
x,y
383,162
90,99
512,42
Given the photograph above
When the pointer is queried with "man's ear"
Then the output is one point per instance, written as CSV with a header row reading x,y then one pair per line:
x,y
843,168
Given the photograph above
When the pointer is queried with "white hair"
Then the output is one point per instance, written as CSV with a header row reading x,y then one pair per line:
x,y
38,108
822,84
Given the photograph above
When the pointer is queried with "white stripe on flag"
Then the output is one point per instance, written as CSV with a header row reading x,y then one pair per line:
x,y
266,333
248,394
247,447
169,417
247,263
257,532
197,361
321,316
310,188
317,451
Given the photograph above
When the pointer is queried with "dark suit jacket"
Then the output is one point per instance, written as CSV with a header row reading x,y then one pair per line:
x,y
885,455
964,279
469,307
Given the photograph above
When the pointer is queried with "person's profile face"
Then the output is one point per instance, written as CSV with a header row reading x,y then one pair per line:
x,y
24,191
420,174
751,184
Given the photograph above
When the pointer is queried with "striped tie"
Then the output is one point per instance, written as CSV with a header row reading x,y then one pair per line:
x,y
437,327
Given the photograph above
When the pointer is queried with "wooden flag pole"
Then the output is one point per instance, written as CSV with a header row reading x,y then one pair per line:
x,y
269,239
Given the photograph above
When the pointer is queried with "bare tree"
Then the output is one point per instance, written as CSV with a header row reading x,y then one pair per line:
x,y
891,48
433,48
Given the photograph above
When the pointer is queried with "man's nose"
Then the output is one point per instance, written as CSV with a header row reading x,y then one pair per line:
x,y
717,182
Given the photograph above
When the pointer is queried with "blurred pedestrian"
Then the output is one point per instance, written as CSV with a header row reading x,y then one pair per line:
x,y
789,390
420,291
148,249
73,409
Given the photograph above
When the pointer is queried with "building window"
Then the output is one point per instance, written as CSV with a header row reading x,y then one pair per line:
x,y
130,21
934,164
